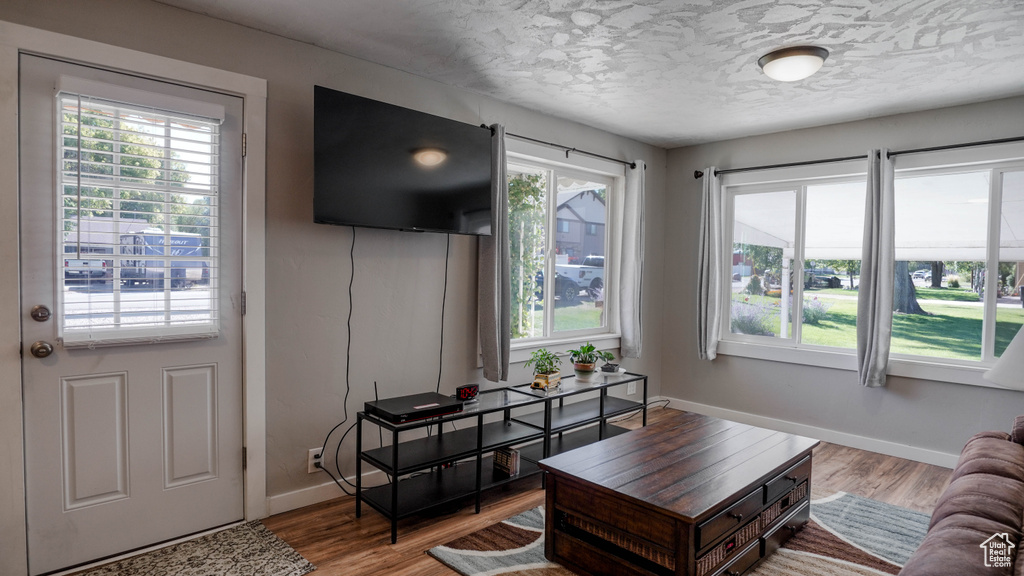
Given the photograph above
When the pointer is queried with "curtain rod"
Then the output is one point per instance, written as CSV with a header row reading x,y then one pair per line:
x,y
698,174
954,146
567,149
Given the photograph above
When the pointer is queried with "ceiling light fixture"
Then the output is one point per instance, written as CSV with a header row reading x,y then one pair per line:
x,y
429,156
792,64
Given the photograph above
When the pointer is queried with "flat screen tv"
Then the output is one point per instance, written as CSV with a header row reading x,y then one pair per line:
x,y
384,166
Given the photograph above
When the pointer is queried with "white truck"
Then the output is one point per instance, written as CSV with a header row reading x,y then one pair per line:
x,y
83,269
588,275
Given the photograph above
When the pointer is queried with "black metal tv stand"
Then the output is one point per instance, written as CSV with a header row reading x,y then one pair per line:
x,y
442,467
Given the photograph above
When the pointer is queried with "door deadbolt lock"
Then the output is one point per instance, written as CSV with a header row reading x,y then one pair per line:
x,y
41,349
40,313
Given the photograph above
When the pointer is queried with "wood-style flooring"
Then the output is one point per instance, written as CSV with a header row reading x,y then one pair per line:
x,y
331,537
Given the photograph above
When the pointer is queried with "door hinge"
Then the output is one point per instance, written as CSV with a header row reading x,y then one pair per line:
x,y
243,302
245,457
244,144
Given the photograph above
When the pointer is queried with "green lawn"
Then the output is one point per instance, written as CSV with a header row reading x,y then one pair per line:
x,y
836,291
951,331
950,294
577,317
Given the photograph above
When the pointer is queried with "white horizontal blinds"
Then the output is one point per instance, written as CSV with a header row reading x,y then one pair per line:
x,y
138,233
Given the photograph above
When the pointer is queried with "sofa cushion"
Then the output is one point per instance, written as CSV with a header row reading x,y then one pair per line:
x,y
988,497
991,453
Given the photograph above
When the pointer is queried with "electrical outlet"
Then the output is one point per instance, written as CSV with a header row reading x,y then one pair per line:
x,y
630,388
313,458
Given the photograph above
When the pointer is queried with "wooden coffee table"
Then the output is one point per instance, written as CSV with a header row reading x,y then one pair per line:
x,y
690,495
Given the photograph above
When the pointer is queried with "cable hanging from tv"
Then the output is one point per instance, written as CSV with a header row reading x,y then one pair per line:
x,y
566,149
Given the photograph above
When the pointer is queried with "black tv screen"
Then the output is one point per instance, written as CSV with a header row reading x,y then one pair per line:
x,y
371,167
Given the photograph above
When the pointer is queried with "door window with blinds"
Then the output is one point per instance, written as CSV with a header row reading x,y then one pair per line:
x,y
137,226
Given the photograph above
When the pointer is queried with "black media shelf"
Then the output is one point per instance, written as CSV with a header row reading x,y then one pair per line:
x,y
448,446
534,453
580,413
431,489
445,467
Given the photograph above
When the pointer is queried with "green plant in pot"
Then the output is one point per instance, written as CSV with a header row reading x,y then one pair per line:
x,y
545,369
584,359
609,364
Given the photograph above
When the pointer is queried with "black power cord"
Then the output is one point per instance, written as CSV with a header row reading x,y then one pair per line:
x,y
634,414
348,359
348,385
444,298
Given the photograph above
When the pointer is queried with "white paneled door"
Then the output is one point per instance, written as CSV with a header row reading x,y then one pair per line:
x,y
131,288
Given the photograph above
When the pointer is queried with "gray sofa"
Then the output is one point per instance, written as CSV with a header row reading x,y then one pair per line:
x,y
983,502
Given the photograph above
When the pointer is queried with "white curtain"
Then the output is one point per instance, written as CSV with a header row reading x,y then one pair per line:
x,y
632,267
494,285
875,295
711,261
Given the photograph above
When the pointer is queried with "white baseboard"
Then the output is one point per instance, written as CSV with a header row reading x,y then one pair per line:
x,y
835,437
279,503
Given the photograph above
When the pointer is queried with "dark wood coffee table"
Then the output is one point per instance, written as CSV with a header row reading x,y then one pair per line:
x,y
690,495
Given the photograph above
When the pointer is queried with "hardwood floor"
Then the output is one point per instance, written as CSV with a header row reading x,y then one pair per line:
x,y
331,537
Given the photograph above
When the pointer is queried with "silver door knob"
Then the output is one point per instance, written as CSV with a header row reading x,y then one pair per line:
x,y
40,313
41,349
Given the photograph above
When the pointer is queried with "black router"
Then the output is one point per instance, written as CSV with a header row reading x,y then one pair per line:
x,y
413,407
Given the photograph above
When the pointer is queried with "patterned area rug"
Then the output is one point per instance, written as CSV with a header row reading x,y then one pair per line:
x,y
847,536
245,550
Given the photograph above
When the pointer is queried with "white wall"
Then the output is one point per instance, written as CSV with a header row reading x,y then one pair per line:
x,y
398,276
924,414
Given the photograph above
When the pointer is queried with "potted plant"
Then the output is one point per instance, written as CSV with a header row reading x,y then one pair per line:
x,y
608,365
584,359
545,369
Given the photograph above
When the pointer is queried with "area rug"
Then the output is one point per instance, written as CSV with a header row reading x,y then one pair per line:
x,y
847,536
245,550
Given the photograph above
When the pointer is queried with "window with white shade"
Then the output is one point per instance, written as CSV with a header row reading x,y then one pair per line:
x,y
959,249
794,265
138,224
795,262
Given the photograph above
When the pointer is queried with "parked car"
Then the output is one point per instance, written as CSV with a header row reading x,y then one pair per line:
x,y
566,290
85,269
587,275
920,274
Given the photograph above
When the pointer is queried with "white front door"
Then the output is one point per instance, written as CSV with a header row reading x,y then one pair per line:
x,y
131,274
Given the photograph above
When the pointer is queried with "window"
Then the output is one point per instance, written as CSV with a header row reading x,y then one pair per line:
x,y
943,255
795,262
138,192
558,280
794,265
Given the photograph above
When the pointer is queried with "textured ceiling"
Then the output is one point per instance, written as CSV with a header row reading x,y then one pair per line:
x,y
673,72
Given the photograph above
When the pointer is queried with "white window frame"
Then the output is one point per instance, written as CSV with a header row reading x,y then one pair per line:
x,y
608,337
997,159
799,189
